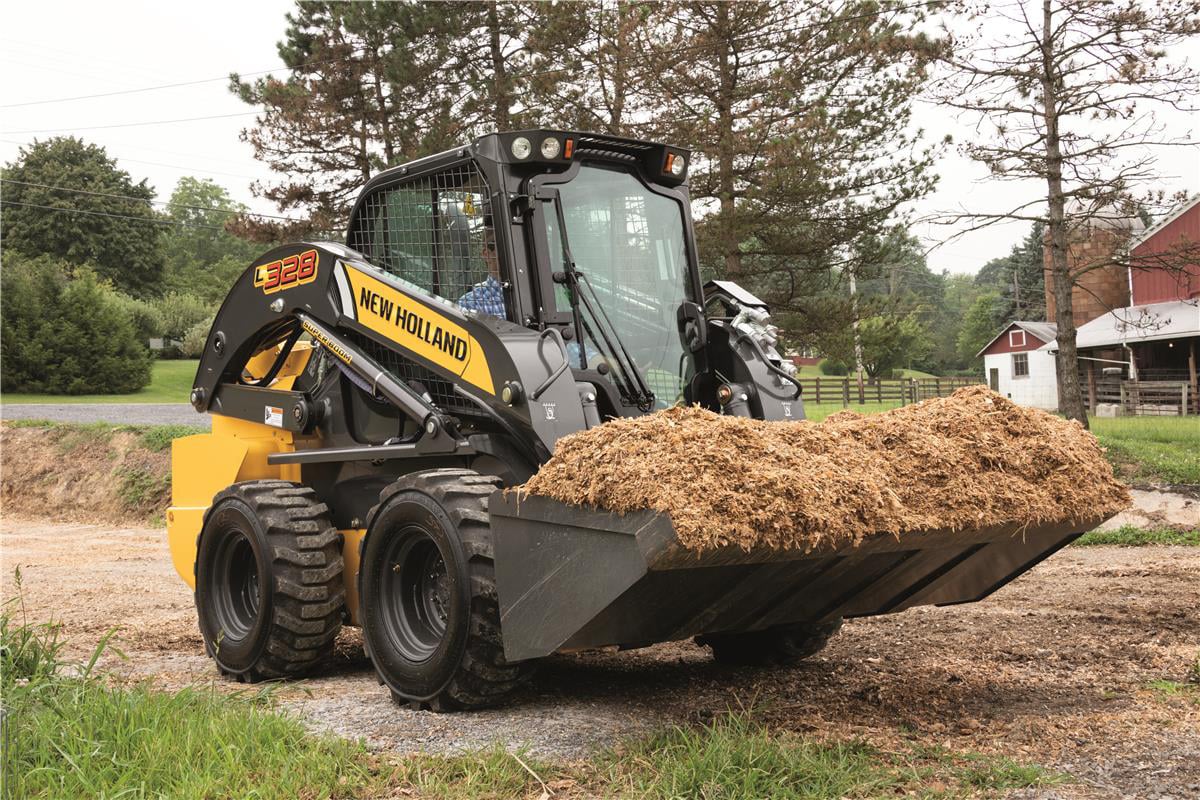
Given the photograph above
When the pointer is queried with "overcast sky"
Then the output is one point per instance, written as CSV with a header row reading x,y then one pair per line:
x,y
54,50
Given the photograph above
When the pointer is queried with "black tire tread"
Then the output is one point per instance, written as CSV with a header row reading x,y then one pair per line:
x,y
484,677
306,573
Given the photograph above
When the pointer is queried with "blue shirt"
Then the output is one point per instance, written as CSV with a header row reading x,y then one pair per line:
x,y
486,297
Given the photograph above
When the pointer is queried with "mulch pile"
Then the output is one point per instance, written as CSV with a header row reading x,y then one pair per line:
x,y
970,460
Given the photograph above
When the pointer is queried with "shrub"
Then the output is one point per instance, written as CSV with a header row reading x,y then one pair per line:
x,y
147,319
195,339
830,367
181,312
66,335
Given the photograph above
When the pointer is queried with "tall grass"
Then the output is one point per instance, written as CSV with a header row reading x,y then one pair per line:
x,y
74,733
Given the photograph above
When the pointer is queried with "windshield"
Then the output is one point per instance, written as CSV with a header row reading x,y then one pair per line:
x,y
629,243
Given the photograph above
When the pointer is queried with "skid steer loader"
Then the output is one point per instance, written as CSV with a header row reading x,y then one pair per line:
x,y
372,400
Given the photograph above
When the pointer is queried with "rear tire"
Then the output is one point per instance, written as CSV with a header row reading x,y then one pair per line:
x,y
429,609
783,646
269,591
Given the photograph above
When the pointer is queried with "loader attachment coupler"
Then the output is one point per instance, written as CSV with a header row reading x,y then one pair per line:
x,y
571,578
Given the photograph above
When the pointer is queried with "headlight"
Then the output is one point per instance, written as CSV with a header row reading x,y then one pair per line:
x,y
550,147
521,148
678,164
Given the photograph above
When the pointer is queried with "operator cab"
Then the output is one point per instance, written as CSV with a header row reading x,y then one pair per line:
x,y
590,235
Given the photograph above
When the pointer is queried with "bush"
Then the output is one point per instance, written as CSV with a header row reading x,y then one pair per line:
x,y
66,335
195,339
181,312
147,319
830,367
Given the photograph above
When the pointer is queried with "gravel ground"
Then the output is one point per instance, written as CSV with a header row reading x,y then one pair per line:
x,y
1056,668
125,413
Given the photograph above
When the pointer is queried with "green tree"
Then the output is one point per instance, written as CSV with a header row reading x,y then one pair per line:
x,y
960,294
66,198
202,258
889,341
371,85
979,326
800,114
66,333
1019,278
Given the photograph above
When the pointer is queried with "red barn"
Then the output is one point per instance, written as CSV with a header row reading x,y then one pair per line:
x,y
1154,340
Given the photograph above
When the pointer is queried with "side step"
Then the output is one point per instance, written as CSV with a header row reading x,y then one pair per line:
x,y
572,578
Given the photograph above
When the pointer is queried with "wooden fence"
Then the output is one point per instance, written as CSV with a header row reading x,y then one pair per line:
x,y
846,391
1144,398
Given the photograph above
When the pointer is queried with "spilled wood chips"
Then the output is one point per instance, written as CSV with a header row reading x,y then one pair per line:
x,y
970,460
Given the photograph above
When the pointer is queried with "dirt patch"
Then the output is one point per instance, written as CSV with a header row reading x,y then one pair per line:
x,y
1058,668
1156,509
82,474
970,460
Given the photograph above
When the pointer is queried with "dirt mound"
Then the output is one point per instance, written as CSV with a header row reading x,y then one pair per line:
x,y
82,474
965,461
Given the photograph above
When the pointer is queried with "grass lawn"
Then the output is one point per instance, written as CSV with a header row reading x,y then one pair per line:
x,y
1132,536
170,382
1152,448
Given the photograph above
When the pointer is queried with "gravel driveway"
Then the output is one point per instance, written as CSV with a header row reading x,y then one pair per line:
x,y
1058,668
126,413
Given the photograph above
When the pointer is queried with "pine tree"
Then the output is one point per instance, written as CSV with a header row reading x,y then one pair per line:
x,y
800,114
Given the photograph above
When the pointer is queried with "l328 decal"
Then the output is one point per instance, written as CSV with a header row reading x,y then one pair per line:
x,y
287,272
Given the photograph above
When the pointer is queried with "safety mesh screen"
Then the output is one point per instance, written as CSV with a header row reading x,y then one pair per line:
x,y
440,391
436,233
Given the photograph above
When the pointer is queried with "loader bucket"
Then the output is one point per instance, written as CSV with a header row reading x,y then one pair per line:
x,y
571,578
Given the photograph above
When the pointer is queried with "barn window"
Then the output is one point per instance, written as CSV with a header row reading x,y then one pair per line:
x,y
1016,338
1020,365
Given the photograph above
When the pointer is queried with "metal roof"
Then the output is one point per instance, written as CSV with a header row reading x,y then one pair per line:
x,y
1046,331
1149,323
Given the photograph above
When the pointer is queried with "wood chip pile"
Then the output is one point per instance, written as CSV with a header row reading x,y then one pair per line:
x,y
970,460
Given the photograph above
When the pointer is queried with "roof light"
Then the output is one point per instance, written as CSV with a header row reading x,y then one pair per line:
x,y
676,164
569,148
550,147
521,148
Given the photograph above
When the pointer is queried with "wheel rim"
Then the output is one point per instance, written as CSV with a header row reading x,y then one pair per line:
x,y
414,594
237,588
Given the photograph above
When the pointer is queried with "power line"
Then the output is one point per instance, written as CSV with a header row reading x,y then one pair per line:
x,y
113,216
130,124
145,200
160,86
357,51
157,163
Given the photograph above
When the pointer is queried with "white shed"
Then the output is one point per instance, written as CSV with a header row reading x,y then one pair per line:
x,y
1019,365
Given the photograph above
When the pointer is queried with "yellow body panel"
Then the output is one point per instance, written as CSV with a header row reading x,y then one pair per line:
x,y
351,539
204,464
296,361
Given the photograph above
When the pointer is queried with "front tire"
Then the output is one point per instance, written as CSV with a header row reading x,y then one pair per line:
x,y
269,591
429,609
783,646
